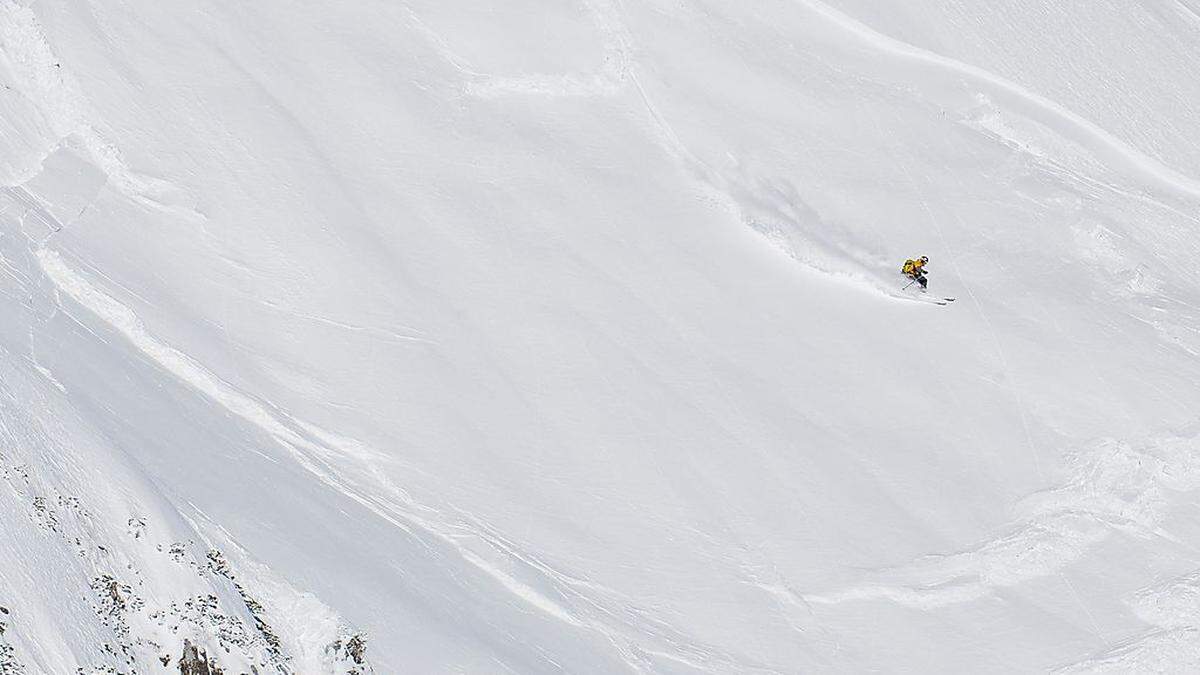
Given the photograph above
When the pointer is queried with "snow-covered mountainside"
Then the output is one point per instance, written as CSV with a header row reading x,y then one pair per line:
x,y
536,337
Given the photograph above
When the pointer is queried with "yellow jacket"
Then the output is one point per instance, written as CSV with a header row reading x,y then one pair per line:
x,y
912,267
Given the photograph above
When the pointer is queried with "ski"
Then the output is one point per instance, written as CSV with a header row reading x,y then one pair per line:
x,y
932,300
937,301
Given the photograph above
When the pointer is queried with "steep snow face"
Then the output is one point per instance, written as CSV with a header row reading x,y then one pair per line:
x,y
541,337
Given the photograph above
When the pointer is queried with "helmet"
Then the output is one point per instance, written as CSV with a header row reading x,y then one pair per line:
x,y
925,258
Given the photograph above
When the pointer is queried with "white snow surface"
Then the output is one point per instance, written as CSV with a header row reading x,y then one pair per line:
x,y
567,336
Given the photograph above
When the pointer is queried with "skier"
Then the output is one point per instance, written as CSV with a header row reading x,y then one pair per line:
x,y
915,270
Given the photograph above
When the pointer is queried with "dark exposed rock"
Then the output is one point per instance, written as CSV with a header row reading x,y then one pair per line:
x,y
194,661
177,551
9,665
8,661
136,527
45,514
273,644
352,650
116,600
218,565
356,647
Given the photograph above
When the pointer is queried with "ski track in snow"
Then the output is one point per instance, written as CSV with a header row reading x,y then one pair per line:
x,y
772,209
1112,486
774,215
1035,106
381,334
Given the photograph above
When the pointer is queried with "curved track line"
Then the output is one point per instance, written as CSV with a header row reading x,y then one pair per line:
x,y
1107,147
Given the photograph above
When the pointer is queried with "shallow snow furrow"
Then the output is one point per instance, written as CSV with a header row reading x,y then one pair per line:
x,y
619,618
1173,608
1112,487
609,78
1159,651
1171,604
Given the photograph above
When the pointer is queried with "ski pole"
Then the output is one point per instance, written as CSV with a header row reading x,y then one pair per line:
x,y
908,284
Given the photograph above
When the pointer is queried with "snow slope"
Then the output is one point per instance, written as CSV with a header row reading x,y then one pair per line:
x,y
541,337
